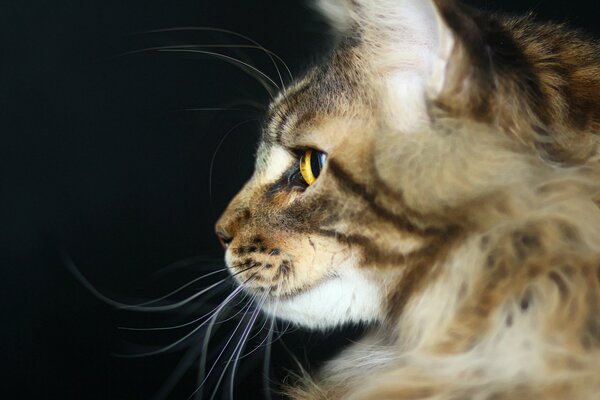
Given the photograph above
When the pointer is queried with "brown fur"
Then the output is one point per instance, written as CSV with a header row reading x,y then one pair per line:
x,y
488,208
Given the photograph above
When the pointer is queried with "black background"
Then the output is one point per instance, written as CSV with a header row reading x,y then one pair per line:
x,y
101,158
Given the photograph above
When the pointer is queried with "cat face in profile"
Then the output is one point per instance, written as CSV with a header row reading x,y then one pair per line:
x,y
372,165
437,177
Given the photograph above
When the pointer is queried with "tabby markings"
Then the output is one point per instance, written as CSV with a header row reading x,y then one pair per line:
x,y
359,189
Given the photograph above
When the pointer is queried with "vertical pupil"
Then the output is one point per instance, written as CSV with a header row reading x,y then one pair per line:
x,y
315,164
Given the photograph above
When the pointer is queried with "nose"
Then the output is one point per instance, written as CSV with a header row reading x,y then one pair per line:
x,y
233,218
224,238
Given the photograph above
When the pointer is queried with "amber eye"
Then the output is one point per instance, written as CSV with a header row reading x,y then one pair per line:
x,y
311,164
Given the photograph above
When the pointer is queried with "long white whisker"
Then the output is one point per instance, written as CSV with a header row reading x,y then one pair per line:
x,y
179,289
269,53
251,106
214,156
268,84
222,46
221,352
186,336
202,377
234,61
282,332
133,307
234,315
258,332
267,362
240,347
213,109
176,373
183,325
82,279
174,305
291,354
264,324
263,341
187,262
287,329
188,358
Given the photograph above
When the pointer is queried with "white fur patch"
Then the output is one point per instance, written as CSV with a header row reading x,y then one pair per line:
x,y
349,297
405,102
277,161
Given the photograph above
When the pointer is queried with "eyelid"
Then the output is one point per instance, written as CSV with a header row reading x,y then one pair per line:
x,y
299,151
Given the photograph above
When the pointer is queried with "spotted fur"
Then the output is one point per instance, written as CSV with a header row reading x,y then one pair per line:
x,y
457,212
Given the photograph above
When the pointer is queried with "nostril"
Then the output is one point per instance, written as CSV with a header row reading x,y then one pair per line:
x,y
224,239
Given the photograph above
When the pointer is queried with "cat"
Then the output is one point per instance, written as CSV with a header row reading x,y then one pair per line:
x,y
437,178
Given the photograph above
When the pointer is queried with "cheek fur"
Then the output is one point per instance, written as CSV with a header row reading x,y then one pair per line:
x,y
337,300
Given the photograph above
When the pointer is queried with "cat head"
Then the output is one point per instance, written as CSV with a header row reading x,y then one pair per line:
x,y
373,163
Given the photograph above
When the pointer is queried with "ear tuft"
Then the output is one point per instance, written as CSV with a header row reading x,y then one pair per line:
x,y
337,12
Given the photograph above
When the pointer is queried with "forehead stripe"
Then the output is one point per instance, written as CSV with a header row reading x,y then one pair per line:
x,y
284,109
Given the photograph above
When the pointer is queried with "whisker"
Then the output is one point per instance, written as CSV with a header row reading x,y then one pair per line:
x,y
267,362
134,307
182,325
269,53
180,369
259,331
256,348
179,289
247,308
213,109
292,355
214,157
265,323
176,305
202,376
218,46
278,299
286,330
190,356
239,348
186,336
251,70
234,315
188,299
185,263
252,107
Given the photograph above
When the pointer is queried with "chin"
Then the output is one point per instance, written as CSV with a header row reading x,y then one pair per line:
x,y
333,302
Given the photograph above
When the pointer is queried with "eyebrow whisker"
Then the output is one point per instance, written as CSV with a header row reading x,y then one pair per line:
x,y
268,84
269,53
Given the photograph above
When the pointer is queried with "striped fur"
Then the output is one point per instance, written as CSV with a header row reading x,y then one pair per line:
x,y
457,212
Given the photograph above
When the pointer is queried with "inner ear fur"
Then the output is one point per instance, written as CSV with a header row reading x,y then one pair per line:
x,y
463,79
440,41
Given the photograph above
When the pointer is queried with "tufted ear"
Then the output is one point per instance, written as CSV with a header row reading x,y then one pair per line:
x,y
419,47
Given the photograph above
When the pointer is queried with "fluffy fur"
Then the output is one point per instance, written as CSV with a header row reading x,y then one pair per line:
x,y
457,212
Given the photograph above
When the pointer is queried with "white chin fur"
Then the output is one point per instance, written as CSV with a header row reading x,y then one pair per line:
x,y
333,302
